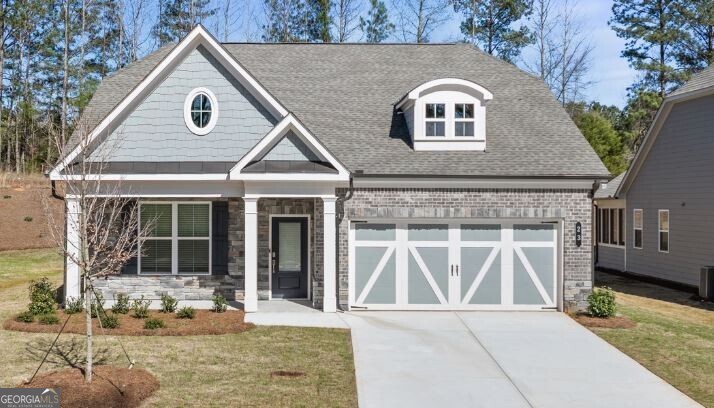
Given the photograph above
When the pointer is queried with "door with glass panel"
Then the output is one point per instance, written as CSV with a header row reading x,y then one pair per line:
x,y
289,260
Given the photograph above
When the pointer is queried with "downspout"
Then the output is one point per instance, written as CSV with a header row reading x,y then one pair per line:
x,y
593,236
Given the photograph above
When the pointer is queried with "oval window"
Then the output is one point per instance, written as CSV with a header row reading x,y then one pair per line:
x,y
200,111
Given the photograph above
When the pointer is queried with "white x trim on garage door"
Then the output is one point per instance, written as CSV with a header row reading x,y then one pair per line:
x,y
433,265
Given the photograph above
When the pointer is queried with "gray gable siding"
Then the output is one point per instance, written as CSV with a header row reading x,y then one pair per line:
x,y
291,147
677,175
155,131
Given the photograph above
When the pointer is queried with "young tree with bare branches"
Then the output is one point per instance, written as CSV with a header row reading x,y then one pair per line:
x,y
417,19
100,233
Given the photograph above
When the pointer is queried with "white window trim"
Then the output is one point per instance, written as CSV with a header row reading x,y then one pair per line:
x,y
660,231
187,111
610,231
634,228
175,239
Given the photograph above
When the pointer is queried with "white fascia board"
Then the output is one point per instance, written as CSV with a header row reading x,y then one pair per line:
x,y
290,189
197,36
290,122
415,93
465,182
610,202
168,189
141,177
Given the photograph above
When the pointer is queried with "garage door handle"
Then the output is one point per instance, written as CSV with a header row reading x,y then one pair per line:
x,y
457,270
452,270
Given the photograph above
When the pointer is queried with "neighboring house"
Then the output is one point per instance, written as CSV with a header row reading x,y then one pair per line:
x,y
666,197
355,175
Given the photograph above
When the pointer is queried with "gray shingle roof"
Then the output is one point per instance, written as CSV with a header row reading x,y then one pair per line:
x,y
612,186
345,95
700,80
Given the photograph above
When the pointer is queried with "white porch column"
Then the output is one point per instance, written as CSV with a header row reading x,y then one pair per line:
x,y
329,302
72,287
250,301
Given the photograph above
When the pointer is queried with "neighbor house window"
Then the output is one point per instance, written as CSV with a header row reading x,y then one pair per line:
x,y
200,111
637,222
176,238
464,119
610,225
435,119
663,230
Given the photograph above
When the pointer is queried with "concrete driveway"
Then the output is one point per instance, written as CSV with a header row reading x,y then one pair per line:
x,y
495,359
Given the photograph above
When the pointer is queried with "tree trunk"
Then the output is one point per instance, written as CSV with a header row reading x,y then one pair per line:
x,y
65,75
88,314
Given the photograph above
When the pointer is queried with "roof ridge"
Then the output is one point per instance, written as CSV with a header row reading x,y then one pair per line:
x,y
339,44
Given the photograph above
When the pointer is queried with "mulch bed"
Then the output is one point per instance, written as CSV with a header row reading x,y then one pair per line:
x,y
615,322
205,322
111,386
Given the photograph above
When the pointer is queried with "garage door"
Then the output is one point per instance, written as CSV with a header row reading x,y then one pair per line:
x,y
453,266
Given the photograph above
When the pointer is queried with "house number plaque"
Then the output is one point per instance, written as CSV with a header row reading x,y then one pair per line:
x,y
578,234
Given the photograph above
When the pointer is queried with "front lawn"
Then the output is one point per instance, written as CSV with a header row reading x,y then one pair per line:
x,y
674,337
219,370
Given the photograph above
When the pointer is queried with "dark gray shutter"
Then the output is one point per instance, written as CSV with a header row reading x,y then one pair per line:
x,y
131,267
219,256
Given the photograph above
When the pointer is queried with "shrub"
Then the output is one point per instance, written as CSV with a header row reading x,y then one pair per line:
x,y
6,196
121,304
154,323
109,321
601,303
220,304
141,307
98,305
186,312
73,305
49,318
168,304
25,317
42,297
28,219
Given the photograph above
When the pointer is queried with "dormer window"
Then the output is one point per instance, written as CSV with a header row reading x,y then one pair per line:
x,y
446,114
435,120
464,120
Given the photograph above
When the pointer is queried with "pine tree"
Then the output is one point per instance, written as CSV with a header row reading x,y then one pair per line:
x,y
318,20
652,31
696,50
376,27
178,17
488,25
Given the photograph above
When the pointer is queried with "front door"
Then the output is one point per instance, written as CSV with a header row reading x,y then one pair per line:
x,y
289,257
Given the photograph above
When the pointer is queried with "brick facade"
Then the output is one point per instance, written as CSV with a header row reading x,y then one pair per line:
x,y
570,205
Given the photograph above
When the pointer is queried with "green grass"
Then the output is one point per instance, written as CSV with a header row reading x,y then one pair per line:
x,y
231,370
674,341
19,267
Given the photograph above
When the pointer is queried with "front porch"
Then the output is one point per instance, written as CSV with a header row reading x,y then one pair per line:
x,y
244,265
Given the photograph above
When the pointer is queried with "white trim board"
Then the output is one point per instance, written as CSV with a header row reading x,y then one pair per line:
x,y
290,122
197,36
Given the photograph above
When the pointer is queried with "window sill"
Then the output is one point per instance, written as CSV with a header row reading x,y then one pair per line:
x,y
602,244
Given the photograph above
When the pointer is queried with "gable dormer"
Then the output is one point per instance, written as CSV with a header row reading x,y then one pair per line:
x,y
446,114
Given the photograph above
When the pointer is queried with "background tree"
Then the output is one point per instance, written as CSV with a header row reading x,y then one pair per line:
x,y
488,24
346,17
417,19
318,21
178,17
652,30
376,27
284,20
696,49
604,139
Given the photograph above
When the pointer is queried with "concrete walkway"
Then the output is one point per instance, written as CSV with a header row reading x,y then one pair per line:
x,y
495,359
